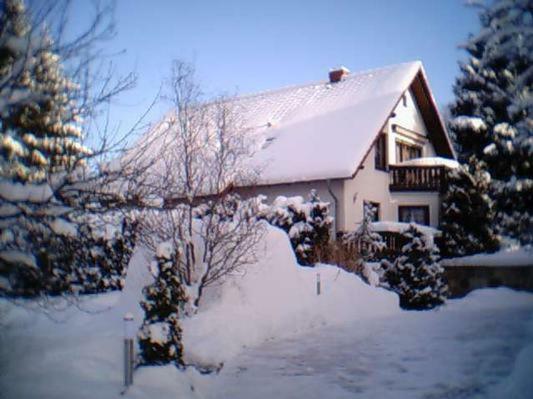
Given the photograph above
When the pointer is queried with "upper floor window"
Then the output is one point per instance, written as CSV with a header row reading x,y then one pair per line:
x,y
405,152
380,154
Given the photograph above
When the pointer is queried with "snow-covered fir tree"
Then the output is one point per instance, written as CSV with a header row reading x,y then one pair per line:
x,y
160,333
306,222
47,247
368,242
492,112
416,275
468,212
39,118
320,222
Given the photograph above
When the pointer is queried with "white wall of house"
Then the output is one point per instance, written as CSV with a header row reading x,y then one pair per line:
x,y
407,115
371,184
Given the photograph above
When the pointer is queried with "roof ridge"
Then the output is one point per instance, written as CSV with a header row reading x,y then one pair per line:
x,y
350,76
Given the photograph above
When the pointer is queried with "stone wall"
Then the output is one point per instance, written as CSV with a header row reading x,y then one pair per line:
x,y
463,279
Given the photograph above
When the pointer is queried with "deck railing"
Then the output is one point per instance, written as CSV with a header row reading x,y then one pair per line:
x,y
417,178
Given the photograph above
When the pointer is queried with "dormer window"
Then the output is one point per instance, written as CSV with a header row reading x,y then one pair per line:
x,y
380,152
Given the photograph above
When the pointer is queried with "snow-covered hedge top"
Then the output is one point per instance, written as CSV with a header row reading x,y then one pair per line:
x,y
297,203
400,227
431,161
505,257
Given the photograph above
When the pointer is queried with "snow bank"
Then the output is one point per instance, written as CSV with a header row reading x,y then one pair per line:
x,y
505,257
277,298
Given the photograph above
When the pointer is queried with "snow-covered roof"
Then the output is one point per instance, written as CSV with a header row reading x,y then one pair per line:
x,y
324,130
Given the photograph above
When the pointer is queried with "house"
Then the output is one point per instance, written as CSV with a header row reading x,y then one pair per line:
x,y
373,136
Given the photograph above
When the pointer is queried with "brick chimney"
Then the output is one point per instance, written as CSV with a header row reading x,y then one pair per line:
x,y
337,74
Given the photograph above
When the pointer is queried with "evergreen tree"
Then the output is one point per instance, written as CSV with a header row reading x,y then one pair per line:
x,y
320,223
492,111
43,249
307,223
39,118
368,242
102,260
416,275
75,259
160,333
467,212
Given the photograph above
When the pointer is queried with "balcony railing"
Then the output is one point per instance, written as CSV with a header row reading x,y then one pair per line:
x,y
417,178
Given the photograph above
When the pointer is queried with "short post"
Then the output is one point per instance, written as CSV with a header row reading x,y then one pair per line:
x,y
129,359
318,283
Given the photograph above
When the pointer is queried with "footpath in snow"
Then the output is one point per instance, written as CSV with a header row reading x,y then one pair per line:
x,y
276,337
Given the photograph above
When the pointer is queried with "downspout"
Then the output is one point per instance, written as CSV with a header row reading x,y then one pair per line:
x,y
336,202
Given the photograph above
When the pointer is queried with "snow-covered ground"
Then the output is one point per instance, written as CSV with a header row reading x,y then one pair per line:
x,y
514,256
471,349
277,338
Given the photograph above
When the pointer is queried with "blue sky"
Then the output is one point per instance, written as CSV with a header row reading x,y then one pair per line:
x,y
247,46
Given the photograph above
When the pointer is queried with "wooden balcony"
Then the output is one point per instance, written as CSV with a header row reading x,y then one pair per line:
x,y
417,178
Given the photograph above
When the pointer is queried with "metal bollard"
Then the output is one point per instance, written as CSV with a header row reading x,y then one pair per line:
x,y
129,355
318,283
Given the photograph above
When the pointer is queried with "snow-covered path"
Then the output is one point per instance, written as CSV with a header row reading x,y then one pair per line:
x,y
466,350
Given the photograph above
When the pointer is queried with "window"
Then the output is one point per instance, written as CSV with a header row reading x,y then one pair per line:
x,y
418,214
380,159
374,206
405,152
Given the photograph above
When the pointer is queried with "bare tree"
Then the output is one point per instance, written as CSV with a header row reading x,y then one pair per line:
x,y
202,152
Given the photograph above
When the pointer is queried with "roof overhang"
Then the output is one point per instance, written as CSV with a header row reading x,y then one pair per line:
x,y
431,116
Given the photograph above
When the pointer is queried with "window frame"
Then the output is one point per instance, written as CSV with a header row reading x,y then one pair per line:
x,y
380,153
425,208
402,145
377,206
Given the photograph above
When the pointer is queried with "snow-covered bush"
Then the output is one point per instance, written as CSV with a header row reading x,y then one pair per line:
x,y
307,223
468,213
416,276
103,254
58,255
160,333
492,110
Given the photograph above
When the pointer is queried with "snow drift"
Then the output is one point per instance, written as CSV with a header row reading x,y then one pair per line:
x,y
277,298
